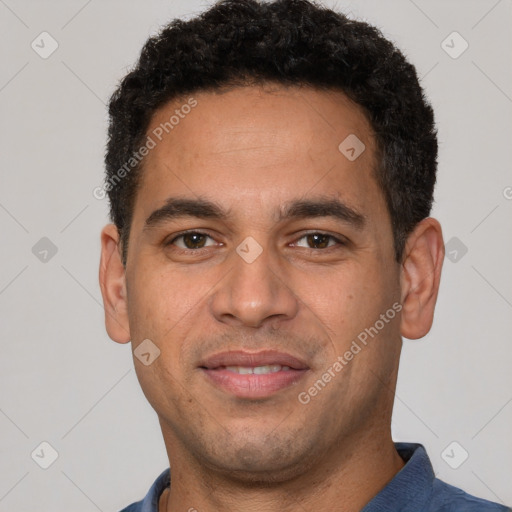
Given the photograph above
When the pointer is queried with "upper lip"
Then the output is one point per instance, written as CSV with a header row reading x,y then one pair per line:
x,y
262,358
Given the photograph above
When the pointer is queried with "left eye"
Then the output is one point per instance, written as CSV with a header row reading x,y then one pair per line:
x,y
318,241
192,240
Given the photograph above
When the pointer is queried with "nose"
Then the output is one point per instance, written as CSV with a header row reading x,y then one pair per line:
x,y
255,292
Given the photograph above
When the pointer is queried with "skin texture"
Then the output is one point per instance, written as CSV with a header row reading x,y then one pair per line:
x,y
250,150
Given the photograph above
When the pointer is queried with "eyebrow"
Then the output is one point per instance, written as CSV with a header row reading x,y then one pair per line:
x,y
306,208
175,208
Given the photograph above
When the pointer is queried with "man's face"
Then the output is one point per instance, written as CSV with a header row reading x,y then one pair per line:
x,y
266,270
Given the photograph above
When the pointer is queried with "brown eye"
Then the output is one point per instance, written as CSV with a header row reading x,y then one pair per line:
x,y
318,241
192,240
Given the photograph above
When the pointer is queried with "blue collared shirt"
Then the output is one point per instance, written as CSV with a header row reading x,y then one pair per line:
x,y
413,489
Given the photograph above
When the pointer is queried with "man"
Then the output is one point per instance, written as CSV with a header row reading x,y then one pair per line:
x,y
270,169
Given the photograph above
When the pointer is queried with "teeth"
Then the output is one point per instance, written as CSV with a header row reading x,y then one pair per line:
x,y
258,370
261,370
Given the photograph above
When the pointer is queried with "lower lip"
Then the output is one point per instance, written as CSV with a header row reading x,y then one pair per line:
x,y
253,385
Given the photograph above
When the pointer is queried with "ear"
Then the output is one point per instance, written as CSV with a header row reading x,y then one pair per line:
x,y
420,277
113,286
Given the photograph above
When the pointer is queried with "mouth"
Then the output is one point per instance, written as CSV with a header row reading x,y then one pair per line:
x,y
253,375
256,370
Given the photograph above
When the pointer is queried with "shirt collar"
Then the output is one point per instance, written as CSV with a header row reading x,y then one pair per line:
x,y
150,502
411,488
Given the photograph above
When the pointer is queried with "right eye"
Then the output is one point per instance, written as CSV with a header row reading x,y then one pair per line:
x,y
191,240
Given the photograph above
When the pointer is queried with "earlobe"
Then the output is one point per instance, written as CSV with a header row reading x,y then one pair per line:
x,y
420,277
113,286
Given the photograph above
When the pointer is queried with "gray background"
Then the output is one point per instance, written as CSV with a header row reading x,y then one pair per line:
x,y
64,382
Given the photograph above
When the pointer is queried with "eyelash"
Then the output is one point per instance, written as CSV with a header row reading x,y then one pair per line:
x,y
338,241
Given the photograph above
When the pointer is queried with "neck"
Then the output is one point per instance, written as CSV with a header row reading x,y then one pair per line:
x,y
343,481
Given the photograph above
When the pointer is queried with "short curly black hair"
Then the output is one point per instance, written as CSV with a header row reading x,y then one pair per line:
x,y
289,42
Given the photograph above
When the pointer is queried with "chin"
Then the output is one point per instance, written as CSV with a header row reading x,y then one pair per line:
x,y
261,463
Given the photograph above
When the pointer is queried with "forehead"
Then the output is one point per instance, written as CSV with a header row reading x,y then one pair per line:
x,y
259,144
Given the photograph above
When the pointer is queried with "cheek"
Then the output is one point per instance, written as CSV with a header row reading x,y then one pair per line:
x,y
350,300
165,306
154,297
158,309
